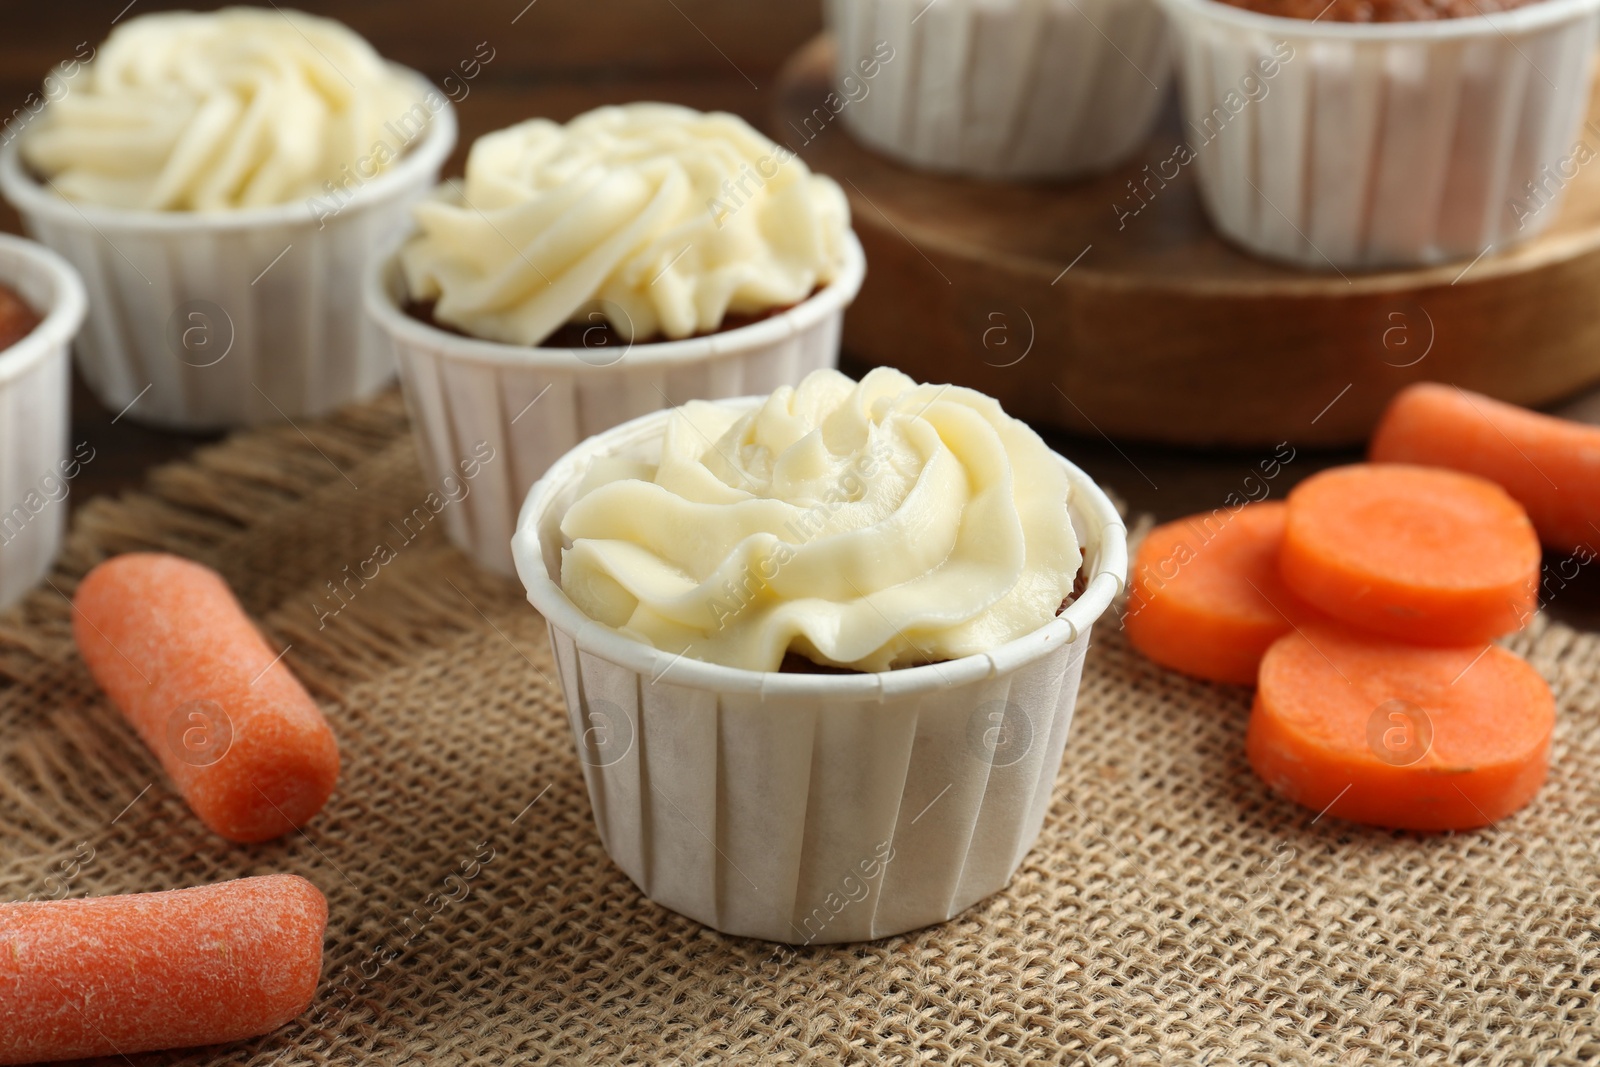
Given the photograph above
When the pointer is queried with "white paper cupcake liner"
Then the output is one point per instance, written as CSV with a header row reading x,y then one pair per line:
x,y
215,320
528,406
1012,89
35,375
810,808
1384,144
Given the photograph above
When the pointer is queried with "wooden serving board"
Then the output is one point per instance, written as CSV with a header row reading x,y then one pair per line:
x,y
1077,315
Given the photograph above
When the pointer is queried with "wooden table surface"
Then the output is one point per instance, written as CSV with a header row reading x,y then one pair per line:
x,y
557,58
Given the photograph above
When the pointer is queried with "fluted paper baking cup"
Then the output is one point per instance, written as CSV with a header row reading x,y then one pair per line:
x,y
1384,144
813,808
212,320
1011,89
526,407
35,467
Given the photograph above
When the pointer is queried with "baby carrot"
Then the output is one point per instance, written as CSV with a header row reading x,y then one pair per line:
x,y
108,976
1417,553
1206,597
1399,735
235,731
1550,465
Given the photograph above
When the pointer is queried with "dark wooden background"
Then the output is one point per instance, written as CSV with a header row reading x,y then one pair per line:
x,y
557,58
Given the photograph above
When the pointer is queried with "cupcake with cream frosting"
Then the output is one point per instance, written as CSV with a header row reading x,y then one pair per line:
x,y
917,545
241,109
664,220
582,274
221,179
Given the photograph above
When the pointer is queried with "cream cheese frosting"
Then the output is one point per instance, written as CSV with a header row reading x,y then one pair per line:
x,y
869,526
661,218
240,108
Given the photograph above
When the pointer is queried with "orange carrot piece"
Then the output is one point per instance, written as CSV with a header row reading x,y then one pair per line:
x,y
1400,735
236,732
1550,465
109,976
1418,553
1206,597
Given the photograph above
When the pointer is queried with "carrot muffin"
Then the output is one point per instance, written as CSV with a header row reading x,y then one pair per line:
x,y
239,108
245,164
1356,135
864,527
658,221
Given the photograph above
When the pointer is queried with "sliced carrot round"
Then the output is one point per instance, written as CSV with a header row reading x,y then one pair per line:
x,y
1550,465
1206,597
1397,735
1418,553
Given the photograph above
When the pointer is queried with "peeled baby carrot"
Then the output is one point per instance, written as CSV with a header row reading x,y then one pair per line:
x,y
109,976
1551,466
1399,735
1206,597
236,732
1418,553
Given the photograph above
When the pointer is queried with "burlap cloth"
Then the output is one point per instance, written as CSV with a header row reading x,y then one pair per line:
x,y
1172,912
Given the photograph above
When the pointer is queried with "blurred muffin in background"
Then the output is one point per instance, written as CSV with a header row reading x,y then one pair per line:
x,y
1004,89
41,308
1384,133
220,181
584,274
242,108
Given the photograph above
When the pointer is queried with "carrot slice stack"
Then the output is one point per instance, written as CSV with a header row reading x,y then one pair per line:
x,y
1399,735
1364,610
109,976
1420,554
1551,466
1206,597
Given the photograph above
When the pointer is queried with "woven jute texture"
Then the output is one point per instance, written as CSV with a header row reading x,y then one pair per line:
x,y
1173,911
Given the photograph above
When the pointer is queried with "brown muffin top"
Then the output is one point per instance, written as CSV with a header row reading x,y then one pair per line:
x,y
17,319
597,333
1378,10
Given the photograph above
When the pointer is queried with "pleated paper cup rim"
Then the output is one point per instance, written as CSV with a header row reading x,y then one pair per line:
x,y
1105,550
384,286
21,261
1538,15
31,197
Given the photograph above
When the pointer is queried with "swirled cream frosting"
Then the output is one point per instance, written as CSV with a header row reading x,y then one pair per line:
x,y
660,218
869,526
240,108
